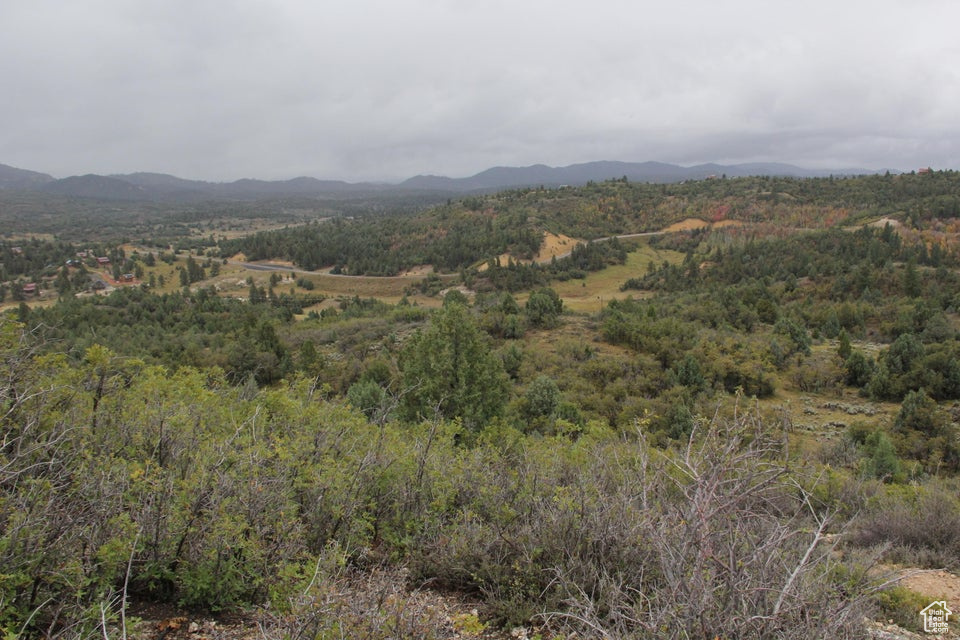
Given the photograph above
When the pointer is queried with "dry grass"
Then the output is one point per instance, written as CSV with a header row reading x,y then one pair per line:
x,y
882,222
687,225
554,244
726,223
589,294
419,270
25,237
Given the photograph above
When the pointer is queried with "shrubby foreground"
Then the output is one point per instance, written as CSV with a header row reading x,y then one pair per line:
x,y
122,481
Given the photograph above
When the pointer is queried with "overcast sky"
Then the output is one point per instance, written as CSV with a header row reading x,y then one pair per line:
x,y
383,90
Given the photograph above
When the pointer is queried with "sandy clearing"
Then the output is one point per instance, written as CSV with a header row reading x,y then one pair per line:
x,y
503,258
555,244
934,584
276,263
418,270
687,225
882,222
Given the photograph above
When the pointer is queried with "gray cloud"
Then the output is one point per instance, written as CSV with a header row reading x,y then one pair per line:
x,y
368,89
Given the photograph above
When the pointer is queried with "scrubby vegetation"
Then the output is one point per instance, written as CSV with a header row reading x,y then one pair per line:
x,y
724,447
123,479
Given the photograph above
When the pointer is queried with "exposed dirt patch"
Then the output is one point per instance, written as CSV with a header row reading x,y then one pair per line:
x,y
937,585
419,270
462,289
687,225
882,222
276,263
691,224
555,245
350,610
503,258
727,223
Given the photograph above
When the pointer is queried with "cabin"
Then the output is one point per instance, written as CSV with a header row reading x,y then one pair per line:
x,y
103,260
30,289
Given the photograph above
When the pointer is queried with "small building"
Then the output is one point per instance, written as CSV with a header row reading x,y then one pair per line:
x,y
127,277
103,260
30,289
17,251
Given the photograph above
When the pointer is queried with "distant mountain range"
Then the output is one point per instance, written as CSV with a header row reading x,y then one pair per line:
x,y
579,174
158,187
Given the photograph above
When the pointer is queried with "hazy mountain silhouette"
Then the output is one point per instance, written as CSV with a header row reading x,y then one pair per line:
x,y
578,174
159,187
13,178
96,187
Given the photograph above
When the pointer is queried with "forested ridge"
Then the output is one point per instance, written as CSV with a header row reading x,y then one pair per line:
x,y
461,233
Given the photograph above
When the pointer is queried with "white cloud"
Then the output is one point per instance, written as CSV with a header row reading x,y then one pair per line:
x,y
376,89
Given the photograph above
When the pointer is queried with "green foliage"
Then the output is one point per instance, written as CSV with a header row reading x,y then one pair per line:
x,y
511,357
844,348
917,522
449,370
689,373
799,339
191,491
882,461
542,396
909,365
858,369
541,405
200,329
515,276
543,308
615,546
370,398
918,413
169,436
448,237
902,606
679,421
455,296
922,432
672,329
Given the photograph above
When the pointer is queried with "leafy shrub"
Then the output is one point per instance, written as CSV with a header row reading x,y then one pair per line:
x,y
918,523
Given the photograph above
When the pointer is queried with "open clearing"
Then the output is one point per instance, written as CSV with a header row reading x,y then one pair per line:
x,y
936,585
586,295
590,293
554,245
687,225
